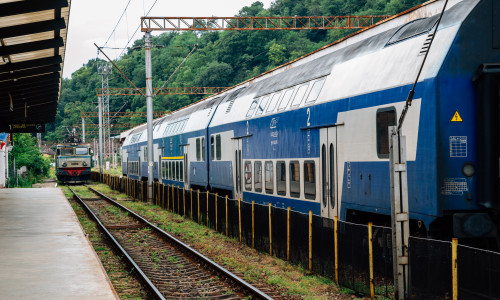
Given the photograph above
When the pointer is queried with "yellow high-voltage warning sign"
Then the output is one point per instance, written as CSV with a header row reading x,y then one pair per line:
x,y
456,117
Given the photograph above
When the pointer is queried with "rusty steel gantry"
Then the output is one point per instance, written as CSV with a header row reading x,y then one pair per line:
x,y
160,91
114,126
122,114
257,23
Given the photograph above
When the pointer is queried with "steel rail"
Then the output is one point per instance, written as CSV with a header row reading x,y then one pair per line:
x,y
150,285
250,288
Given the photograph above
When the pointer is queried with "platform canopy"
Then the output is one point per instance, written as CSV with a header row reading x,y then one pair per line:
x,y
32,47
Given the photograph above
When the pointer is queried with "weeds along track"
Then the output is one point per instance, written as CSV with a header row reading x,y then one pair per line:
x,y
168,267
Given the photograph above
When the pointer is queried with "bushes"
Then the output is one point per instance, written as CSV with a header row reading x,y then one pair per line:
x,y
26,153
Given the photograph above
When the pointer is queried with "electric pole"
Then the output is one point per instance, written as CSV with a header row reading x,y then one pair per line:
x,y
149,110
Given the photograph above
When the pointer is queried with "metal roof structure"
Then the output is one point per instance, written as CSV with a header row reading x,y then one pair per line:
x,y
32,47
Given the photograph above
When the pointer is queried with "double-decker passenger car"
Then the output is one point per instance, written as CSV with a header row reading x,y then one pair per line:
x,y
313,134
73,161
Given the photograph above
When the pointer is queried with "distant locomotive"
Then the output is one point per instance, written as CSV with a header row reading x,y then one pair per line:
x,y
73,161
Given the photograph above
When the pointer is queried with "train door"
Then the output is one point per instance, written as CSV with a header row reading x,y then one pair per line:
x,y
186,165
237,172
157,160
328,172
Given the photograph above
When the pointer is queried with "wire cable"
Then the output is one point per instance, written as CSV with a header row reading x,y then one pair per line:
x,y
135,32
117,23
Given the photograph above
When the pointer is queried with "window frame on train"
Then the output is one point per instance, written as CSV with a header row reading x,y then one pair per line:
x,y
382,130
307,181
294,184
269,177
248,175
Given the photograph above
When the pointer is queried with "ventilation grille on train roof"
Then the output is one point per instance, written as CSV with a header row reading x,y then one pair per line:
x,y
426,45
232,98
230,106
413,29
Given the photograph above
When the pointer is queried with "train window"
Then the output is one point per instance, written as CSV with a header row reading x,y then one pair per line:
x,y
281,178
169,170
253,106
314,93
269,178
198,150
262,105
135,138
66,151
145,153
248,175
181,171
257,181
299,95
385,117
167,130
58,152
286,99
274,102
212,147
309,180
202,149
295,179
184,122
81,151
218,147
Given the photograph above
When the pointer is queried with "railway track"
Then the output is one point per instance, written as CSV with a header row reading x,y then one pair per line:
x,y
169,268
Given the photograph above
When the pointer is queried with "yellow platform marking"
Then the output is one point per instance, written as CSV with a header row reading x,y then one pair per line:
x,y
173,157
456,117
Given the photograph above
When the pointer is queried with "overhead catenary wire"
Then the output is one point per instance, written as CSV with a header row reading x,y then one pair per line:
x,y
137,29
409,99
119,70
118,22
178,67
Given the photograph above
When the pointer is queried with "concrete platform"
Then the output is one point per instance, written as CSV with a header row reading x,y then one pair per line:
x,y
43,251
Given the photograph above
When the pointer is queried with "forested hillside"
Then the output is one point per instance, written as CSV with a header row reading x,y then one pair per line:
x,y
221,59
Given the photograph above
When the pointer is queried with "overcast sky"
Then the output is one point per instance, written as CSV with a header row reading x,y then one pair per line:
x,y
92,21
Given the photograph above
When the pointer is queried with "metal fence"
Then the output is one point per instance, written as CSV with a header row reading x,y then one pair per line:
x,y
355,256
446,270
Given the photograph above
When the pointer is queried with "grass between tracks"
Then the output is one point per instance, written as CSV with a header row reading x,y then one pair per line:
x,y
126,285
289,280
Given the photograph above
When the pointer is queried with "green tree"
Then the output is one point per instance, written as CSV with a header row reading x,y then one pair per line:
x,y
277,54
26,153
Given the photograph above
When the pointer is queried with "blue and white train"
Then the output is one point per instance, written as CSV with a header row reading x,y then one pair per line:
x,y
313,134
